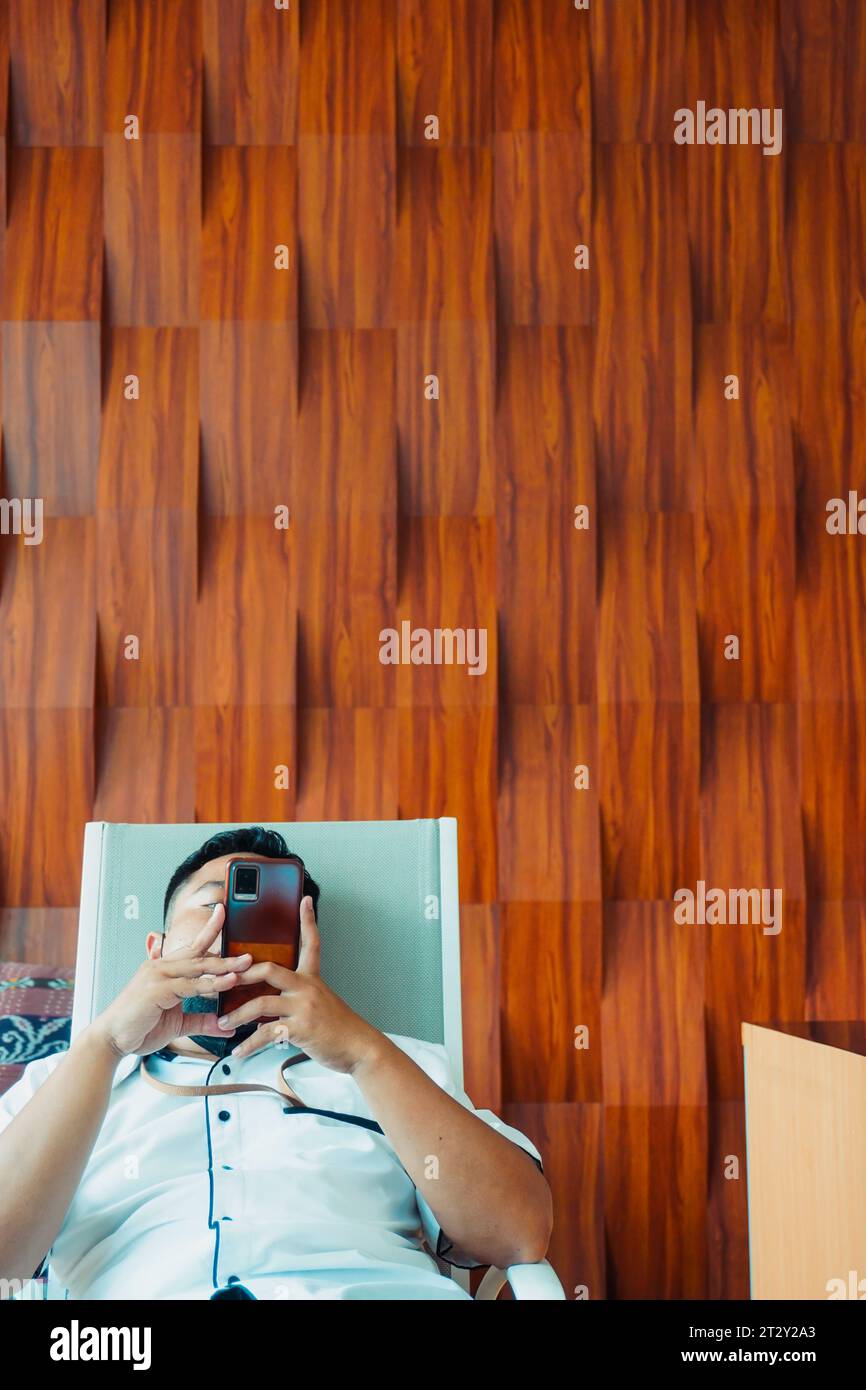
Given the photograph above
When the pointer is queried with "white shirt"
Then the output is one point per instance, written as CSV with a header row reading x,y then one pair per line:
x,y
183,1195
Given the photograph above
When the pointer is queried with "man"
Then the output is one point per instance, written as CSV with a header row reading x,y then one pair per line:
x,y
138,1191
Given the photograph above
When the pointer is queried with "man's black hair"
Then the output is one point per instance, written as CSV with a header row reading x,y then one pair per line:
x,y
248,839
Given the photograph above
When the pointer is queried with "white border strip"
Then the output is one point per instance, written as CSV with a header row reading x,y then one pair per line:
x,y
88,926
449,907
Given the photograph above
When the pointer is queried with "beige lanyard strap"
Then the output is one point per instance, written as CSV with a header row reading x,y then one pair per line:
x,y
285,1091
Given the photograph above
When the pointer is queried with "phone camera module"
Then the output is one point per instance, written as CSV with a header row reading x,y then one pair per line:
x,y
246,883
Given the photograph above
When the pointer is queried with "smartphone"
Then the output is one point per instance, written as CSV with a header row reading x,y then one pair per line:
x,y
263,917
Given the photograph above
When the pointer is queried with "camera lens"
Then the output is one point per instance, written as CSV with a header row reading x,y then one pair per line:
x,y
246,881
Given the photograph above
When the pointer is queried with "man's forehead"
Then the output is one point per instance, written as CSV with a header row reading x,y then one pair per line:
x,y
214,871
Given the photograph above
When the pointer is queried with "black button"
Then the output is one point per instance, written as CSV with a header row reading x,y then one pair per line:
x,y
227,1069
224,1115
227,1167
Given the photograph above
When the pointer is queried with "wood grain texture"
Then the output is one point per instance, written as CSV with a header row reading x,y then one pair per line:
x,y
426,396
148,455
250,72
444,66
547,596
51,417
57,71
55,273
152,224
248,211
154,65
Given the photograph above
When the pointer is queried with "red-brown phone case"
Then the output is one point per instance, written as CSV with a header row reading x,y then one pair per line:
x,y
269,928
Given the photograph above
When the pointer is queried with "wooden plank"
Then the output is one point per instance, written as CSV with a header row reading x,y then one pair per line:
x,y
153,65
250,72
823,54
727,1206
152,225
444,57
248,389
245,620
49,663
643,318
56,274
552,854
480,980
146,575
345,482
548,576
445,429
638,68
447,760
246,763
347,57
51,418
46,763
652,1013
655,1201
57,71
648,791
148,455
145,766
248,212
551,978
347,764
832,739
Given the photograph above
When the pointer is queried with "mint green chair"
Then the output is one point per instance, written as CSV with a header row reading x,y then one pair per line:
x,y
390,930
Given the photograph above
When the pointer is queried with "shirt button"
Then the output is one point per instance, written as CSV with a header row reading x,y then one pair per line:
x,y
227,1069
224,1115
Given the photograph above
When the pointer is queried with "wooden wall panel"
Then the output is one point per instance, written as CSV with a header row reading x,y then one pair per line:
x,y
643,345
248,387
444,63
552,1044
152,223
445,428
57,272
57,71
248,210
51,416
250,67
547,589
345,498
154,65
148,455
420,399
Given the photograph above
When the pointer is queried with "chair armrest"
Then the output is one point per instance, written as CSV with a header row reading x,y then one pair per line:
x,y
538,1281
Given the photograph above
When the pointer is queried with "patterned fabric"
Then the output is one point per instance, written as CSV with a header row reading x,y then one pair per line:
x,y
35,1015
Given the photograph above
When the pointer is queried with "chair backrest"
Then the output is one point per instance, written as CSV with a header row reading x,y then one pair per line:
x,y
388,915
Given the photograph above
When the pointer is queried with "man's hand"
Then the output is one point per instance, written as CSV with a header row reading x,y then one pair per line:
x,y
148,1014
305,1012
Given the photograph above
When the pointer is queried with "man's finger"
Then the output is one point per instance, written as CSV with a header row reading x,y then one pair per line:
x,y
201,943
269,973
268,1006
261,1038
205,1025
205,986
308,961
207,965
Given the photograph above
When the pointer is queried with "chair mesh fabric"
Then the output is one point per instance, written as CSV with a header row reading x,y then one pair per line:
x,y
379,911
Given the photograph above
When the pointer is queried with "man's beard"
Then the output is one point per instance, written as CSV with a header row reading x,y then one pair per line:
x,y
217,1047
